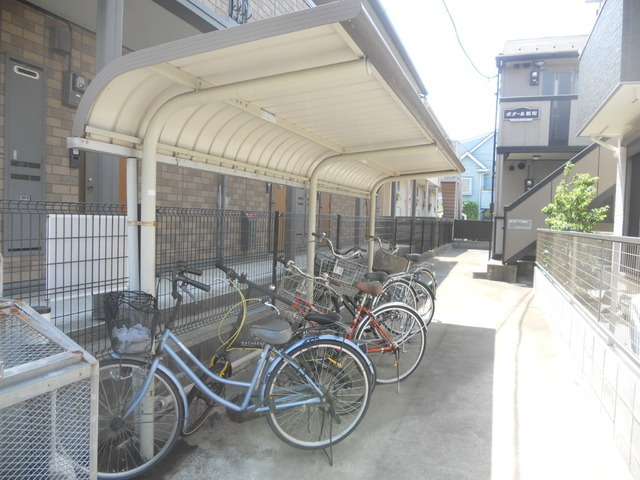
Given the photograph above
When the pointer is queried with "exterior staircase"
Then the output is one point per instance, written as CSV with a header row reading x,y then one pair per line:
x,y
523,217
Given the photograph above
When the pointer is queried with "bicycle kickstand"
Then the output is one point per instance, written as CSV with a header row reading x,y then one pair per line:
x,y
397,354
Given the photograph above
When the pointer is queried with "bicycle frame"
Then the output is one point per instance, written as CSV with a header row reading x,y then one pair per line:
x,y
257,382
358,311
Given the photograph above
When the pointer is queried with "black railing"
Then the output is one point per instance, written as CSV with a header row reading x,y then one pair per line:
x,y
67,256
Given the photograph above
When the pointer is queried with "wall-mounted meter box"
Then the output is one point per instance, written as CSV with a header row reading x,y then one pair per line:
x,y
73,87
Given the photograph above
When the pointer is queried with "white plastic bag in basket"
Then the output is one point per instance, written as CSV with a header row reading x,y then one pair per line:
x,y
132,340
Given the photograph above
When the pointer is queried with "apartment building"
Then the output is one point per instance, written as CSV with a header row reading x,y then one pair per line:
x,y
540,88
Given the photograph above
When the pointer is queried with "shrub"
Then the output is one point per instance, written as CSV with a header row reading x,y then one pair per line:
x,y
471,210
570,210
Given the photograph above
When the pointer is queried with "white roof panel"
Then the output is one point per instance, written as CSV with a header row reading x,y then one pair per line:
x,y
273,99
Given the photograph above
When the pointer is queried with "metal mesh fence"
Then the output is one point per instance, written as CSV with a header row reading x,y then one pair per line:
x,y
46,436
68,256
602,273
46,386
20,343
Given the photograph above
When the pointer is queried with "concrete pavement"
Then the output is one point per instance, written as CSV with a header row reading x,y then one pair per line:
x,y
497,397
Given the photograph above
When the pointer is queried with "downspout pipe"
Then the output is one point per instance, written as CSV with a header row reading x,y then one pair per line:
x,y
620,155
300,79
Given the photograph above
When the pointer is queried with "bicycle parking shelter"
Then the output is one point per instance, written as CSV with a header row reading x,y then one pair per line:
x,y
325,99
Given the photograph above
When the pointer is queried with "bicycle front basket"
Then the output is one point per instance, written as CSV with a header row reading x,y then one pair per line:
x,y
388,262
131,319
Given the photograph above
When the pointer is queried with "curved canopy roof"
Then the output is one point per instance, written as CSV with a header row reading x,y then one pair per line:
x,y
271,100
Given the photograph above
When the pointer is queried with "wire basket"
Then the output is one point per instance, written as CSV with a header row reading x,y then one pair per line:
x,y
304,296
131,319
344,273
388,262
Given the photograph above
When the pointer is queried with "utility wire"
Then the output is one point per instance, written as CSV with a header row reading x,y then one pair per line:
x,y
455,29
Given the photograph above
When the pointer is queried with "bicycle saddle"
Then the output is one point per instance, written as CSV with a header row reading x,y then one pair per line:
x,y
377,276
412,257
274,331
371,288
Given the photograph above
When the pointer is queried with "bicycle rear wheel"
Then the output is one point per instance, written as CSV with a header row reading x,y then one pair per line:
x,y
395,338
425,301
426,276
130,446
339,370
397,290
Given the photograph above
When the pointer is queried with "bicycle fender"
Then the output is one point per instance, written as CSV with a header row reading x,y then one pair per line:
x,y
304,340
393,304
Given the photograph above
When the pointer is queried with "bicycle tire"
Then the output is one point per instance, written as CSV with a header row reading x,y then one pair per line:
x,y
405,328
425,301
426,276
199,404
340,371
119,447
397,290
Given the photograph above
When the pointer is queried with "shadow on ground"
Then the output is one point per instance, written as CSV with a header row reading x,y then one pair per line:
x,y
438,427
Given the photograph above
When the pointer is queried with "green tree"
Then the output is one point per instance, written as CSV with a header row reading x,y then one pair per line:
x,y
570,210
471,210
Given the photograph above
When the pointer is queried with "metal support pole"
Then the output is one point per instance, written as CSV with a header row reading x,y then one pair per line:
x,y
132,224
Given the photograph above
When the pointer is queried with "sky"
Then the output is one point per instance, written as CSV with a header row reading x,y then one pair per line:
x,y
463,99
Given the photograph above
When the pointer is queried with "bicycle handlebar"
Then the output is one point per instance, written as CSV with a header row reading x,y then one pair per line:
x,y
229,272
194,283
179,276
286,263
343,255
393,249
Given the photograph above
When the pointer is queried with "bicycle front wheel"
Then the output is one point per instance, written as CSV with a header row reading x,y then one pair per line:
x,y
130,446
340,372
395,338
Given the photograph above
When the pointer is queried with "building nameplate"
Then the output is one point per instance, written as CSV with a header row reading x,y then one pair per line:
x,y
519,224
521,114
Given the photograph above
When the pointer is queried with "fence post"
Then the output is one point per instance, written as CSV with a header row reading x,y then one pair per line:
x,y
276,236
338,232
395,230
411,235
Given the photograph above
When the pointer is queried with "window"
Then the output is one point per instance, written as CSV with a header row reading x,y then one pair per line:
x,y
558,83
467,185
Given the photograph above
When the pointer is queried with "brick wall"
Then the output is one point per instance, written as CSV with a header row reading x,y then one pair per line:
x,y
24,34
343,205
247,194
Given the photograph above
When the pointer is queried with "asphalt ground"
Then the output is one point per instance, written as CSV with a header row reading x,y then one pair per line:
x,y
497,397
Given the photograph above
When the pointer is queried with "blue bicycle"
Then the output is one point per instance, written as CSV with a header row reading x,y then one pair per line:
x,y
314,391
